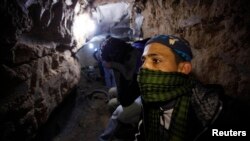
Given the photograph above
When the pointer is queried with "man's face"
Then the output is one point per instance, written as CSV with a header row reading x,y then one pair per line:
x,y
159,57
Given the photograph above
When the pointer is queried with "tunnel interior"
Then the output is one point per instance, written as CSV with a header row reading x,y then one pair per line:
x,y
47,48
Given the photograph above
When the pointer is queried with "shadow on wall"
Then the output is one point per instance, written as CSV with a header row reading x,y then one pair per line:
x,y
58,119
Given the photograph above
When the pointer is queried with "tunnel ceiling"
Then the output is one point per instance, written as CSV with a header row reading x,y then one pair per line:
x,y
112,17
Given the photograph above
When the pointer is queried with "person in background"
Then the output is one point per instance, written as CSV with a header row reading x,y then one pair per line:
x,y
177,107
109,76
97,57
107,73
122,58
139,46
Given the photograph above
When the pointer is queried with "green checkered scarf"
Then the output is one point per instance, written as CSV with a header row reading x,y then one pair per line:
x,y
157,88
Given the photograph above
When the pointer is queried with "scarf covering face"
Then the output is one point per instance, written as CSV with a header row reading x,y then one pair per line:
x,y
156,88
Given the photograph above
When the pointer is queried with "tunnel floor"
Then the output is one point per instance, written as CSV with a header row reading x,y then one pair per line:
x,y
81,117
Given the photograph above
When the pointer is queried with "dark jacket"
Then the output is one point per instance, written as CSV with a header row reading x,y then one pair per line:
x,y
125,76
212,111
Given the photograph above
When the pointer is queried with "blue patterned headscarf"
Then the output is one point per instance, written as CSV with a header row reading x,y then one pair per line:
x,y
178,45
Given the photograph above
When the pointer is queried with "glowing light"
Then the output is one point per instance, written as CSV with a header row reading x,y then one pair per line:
x,y
91,46
83,27
84,24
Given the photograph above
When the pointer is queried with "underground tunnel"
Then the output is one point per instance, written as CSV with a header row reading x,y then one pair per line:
x,y
52,88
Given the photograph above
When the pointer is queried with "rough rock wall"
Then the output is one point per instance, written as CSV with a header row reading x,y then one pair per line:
x,y
218,31
38,68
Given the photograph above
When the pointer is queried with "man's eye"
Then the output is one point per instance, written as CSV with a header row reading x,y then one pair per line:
x,y
156,61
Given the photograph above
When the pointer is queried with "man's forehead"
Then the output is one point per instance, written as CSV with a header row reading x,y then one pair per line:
x,y
156,49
